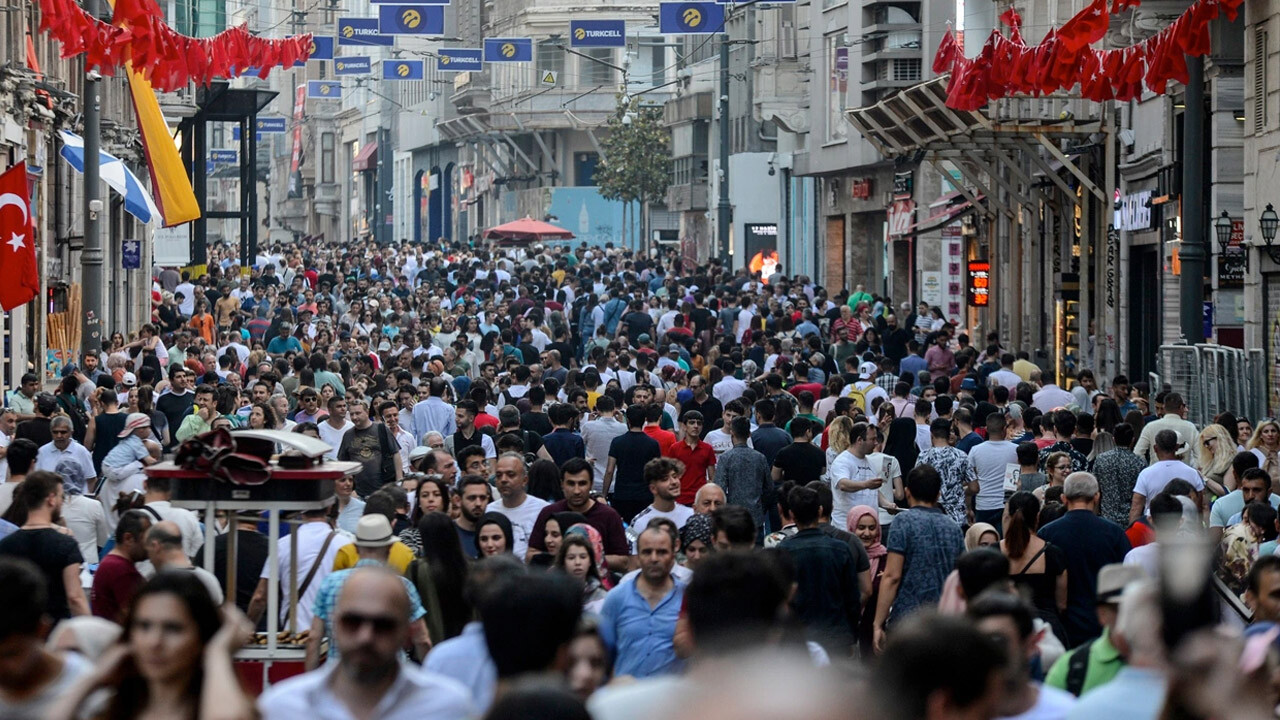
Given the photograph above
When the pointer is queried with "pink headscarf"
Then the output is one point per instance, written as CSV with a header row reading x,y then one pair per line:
x,y
597,546
877,548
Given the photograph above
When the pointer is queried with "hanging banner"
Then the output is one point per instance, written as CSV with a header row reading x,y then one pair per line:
x,y
598,33
295,163
362,31
271,124
352,66
321,48
460,60
411,19
403,70
130,254
324,89
690,18
498,50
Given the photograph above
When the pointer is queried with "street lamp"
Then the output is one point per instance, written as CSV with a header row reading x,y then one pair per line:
x,y
1222,226
1268,221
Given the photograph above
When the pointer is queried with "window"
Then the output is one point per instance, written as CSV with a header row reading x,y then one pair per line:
x,y
326,157
550,57
1260,61
595,72
837,87
906,70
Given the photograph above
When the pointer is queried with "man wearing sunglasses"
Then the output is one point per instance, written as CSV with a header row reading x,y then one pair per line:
x,y
371,679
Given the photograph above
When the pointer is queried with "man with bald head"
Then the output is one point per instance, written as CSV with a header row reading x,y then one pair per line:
x,y
709,499
521,508
164,550
370,679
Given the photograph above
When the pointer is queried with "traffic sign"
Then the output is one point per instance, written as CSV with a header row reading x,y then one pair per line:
x,y
549,77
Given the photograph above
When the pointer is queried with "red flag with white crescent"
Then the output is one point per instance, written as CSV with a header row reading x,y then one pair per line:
x,y
19,281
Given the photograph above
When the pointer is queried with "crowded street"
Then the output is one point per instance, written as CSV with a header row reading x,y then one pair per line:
x,y
677,360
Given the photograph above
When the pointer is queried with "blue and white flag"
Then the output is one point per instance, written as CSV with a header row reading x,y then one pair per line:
x,y
137,200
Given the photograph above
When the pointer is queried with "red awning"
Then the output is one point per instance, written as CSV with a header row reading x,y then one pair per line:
x,y
941,218
366,159
527,230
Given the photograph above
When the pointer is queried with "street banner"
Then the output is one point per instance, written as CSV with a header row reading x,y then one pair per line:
x,y
352,65
411,19
362,31
508,50
690,18
403,70
459,60
598,33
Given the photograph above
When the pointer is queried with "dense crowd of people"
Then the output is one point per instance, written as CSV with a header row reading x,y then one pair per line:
x,y
590,483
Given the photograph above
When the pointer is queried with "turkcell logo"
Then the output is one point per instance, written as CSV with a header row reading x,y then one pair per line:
x,y
403,70
224,157
321,48
324,89
508,50
362,31
690,18
459,60
598,33
271,125
352,66
411,19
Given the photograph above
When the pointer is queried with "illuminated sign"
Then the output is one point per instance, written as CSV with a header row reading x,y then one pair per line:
x,y
979,289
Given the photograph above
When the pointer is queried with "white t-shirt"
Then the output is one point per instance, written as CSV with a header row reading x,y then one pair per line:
x,y
522,518
890,471
1154,479
721,440
848,466
310,538
1146,557
4,463
1006,378
680,515
333,436
924,438
989,461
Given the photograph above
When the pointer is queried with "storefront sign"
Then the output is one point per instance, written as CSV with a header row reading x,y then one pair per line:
x,y
901,213
979,288
953,278
1231,264
931,287
860,189
903,185
1135,212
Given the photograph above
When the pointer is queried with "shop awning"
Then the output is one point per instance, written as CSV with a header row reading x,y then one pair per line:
x,y
942,218
367,158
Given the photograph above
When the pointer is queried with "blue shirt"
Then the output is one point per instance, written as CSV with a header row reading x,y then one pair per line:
x,y
466,659
562,444
281,345
1133,694
350,515
1088,542
130,449
639,636
929,542
433,414
913,364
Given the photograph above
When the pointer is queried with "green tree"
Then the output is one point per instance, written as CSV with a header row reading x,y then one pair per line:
x,y
637,159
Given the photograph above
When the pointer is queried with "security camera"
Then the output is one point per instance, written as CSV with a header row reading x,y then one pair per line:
x,y
94,75
626,119
772,171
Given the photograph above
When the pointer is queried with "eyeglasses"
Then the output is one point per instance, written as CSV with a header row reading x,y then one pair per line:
x,y
382,625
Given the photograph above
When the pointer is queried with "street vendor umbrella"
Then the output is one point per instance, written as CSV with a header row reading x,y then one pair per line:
x,y
527,230
137,200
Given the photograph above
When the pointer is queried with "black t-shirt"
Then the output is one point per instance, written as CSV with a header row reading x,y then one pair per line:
x,y
52,552
638,323
711,409
566,352
801,462
36,430
375,449
703,319
175,408
109,427
251,554
537,422
630,451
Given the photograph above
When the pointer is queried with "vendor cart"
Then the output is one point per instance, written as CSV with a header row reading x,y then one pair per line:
x,y
298,478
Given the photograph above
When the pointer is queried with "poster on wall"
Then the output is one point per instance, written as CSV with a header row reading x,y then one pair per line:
x,y
761,241
931,288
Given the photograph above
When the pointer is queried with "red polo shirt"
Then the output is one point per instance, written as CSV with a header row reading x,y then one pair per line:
x,y
696,461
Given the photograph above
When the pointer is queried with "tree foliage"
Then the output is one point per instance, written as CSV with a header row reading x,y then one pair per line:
x,y
637,162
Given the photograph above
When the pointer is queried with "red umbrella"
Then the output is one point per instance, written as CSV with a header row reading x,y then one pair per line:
x,y
527,230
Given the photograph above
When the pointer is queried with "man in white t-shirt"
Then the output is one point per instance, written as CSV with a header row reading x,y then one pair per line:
x,y
517,504
318,546
663,475
853,480
8,426
991,461
335,426
887,467
1165,469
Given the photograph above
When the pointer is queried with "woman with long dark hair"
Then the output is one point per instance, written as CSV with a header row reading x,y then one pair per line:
x,y
432,495
1038,568
440,573
175,660
901,443
494,535
1108,416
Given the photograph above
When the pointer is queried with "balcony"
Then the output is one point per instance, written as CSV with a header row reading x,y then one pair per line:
x,y
686,198
470,92
687,108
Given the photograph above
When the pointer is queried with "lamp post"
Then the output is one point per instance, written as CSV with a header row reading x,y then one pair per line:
x,y
1222,226
1268,223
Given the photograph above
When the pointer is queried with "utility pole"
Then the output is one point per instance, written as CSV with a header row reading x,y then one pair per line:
x,y
1192,251
724,212
91,257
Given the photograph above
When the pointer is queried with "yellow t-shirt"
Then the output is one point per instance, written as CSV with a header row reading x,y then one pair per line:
x,y
400,557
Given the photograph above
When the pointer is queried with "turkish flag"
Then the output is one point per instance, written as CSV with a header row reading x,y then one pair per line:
x,y
19,281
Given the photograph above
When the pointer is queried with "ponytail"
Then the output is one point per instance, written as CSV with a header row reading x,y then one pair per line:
x,y
1023,509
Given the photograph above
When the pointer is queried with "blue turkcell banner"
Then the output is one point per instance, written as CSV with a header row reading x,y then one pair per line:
x,y
352,65
411,19
224,157
459,60
235,134
415,2
324,89
271,124
362,31
690,18
321,48
403,70
598,33
508,50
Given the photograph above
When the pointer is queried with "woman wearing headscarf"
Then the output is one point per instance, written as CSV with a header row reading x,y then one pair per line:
x,y
901,443
696,540
84,516
979,535
864,522
597,546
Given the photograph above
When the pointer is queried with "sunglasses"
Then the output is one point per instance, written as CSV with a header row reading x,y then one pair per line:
x,y
381,624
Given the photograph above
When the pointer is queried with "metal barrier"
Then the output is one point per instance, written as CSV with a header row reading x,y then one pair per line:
x,y
1213,379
